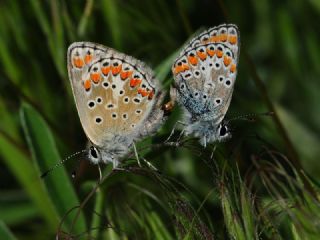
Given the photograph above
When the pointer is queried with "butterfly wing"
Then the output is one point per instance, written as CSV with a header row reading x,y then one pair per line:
x,y
205,72
114,93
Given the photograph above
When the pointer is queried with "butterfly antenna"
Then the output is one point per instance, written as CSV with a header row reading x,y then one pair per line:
x,y
43,175
251,116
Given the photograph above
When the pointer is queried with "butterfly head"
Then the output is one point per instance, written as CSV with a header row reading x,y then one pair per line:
x,y
94,155
223,132
209,131
97,155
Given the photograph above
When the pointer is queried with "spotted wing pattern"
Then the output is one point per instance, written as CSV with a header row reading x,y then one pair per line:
x,y
205,72
114,93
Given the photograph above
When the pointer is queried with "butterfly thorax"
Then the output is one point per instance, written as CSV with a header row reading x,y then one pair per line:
x,y
206,131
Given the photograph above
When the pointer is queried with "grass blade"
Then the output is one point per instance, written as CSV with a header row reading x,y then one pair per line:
x,y
45,155
5,232
19,164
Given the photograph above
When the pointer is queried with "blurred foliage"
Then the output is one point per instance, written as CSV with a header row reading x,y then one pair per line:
x,y
262,184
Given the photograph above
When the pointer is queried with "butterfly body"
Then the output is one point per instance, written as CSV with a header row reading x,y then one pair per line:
x,y
204,76
117,98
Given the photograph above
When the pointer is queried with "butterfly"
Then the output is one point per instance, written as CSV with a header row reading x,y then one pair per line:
x,y
117,97
204,76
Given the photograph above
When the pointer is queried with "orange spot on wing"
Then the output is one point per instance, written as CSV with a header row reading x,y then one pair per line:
x,y
105,70
193,60
78,62
214,39
177,69
233,68
232,39
95,77
143,92
135,82
180,68
87,85
185,67
151,94
223,37
226,60
125,75
202,55
116,70
206,41
211,52
219,53
88,58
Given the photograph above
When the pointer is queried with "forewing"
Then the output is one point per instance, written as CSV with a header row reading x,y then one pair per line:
x,y
114,93
205,72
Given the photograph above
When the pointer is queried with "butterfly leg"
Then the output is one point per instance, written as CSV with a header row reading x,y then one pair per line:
x,y
173,130
115,163
100,173
150,165
204,141
136,154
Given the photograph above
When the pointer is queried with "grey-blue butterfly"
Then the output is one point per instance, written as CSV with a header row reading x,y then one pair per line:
x,y
204,76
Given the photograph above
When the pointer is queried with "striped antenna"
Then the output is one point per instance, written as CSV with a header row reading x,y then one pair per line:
x,y
43,175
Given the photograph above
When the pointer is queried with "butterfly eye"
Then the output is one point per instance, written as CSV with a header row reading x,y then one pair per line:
x,y
93,152
223,131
